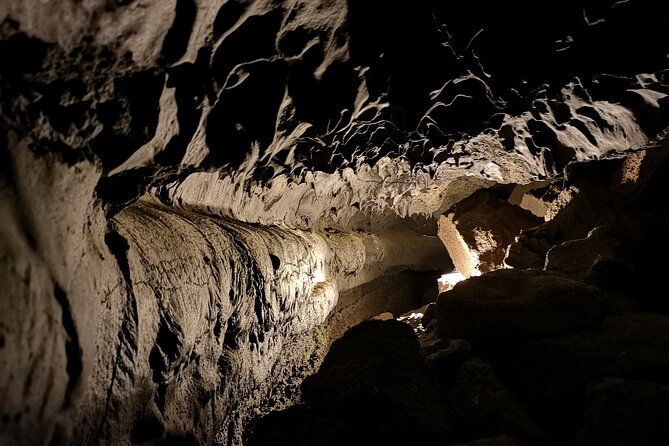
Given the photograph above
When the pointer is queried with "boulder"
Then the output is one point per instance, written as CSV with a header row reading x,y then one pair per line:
x,y
625,412
478,230
576,211
576,258
485,407
446,357
519,303
550,375
374,387
534,197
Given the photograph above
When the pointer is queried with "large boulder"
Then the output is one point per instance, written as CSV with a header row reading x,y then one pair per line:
x,y
625,412
374,387
550,375
577,258
519,303
478,230
576,211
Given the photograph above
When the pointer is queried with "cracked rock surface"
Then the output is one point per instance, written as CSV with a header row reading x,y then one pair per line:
x,y
198,196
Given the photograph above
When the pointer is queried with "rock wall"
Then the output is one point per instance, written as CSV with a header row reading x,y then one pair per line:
x,y
160,324
186,187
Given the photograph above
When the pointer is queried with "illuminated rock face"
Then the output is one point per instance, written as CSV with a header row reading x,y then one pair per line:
x,y
478,230
195,194
565,354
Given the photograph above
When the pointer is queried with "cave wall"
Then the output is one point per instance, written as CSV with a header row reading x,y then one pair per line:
x,y
188,186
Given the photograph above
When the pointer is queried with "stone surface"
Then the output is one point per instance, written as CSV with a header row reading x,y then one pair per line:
x,y
519,303
532,196
577,258
486,408
577,210
478,230
602,226
623,412
187,186
550,375
374,386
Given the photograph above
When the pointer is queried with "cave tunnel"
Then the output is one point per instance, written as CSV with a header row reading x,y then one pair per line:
x,y
334,222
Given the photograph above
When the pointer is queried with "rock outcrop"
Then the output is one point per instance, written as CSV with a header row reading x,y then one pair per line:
x,y
516,356
519,302
197,197
478,231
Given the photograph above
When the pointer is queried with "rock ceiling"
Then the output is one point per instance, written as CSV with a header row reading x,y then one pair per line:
x,y
346,113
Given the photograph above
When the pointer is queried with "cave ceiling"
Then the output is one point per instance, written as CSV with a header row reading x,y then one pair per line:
x,y
343,112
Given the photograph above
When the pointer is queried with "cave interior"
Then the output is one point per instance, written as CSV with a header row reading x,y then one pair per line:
x,y
334,222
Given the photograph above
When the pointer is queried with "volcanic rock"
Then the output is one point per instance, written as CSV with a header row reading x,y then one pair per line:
x,y
519,303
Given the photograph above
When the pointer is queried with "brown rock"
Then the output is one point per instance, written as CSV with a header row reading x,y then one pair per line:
x,y
478,230
577,210
485,407
374,387
533,196
447,358
519,303
550,375
576,258
527,251
378,362
623,412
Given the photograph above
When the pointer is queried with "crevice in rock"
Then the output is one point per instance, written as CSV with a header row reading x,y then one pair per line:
x,y
231,332
73,351
130,119
234,124
251,40
127,337
166,349
228,14
176,40
188,80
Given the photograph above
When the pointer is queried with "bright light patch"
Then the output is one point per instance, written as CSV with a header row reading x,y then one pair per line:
x,y
412,317
319,276
415,319
448,281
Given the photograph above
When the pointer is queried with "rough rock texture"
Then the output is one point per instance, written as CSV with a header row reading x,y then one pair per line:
x,y
187,186
551,375
374,386
622,412
478,230
608,218
521,303
546,359
582,381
